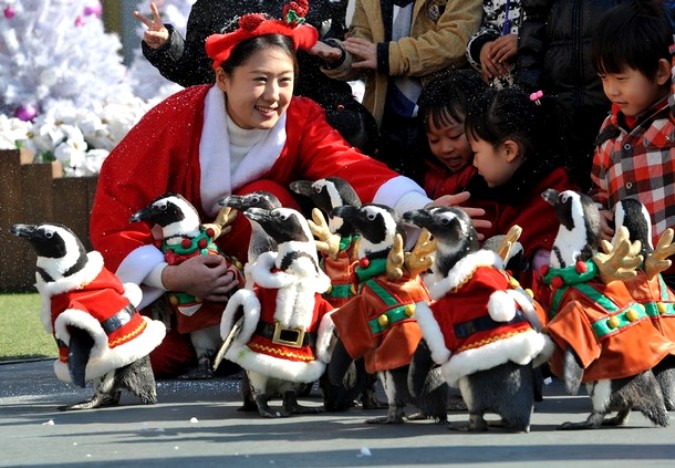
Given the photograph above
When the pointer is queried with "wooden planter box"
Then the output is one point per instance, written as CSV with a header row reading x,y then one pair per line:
x,y
34,193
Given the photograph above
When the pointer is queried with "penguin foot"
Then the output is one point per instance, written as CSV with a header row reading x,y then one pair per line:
x,y
203,371
291,405
619,420
264,409
456,403
476,424
97,401
369,400
394,416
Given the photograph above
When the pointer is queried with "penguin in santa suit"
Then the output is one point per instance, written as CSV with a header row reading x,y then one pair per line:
x,y
92,315
478,326
280,331
604,338
183,236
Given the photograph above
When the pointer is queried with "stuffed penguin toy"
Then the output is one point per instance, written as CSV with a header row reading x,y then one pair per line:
x,y
280,331
604,339
478,326
379,323
183,237
648,287
92,315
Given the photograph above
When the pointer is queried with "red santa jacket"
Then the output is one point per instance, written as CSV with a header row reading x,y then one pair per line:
x,y
95,300
480,318
379,323
610,333
161,154
285,332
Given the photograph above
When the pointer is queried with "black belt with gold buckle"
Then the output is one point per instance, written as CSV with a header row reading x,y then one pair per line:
x,y
293,337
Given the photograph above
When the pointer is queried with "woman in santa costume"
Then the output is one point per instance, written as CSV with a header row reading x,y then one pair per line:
x,y
245,133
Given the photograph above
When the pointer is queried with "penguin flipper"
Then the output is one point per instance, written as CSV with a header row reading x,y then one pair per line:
x,y
573,372
419,369
79,350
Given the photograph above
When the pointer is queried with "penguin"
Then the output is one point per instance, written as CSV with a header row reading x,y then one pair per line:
x,y
184,236
648,287
478,328
379,324
328,194
260,241
280,331
603,338
100,335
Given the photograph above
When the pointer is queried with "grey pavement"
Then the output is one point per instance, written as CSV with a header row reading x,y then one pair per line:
x,y
196,423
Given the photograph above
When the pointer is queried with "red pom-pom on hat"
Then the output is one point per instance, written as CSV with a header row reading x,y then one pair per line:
x,y
220,46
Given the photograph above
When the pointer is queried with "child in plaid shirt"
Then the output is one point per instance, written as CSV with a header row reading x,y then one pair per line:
x,y
635,152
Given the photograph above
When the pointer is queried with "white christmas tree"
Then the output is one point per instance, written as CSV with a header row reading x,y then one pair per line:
x,y
145,79
53,51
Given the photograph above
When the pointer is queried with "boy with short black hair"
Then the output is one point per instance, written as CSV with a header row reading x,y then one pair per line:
x,y
635,152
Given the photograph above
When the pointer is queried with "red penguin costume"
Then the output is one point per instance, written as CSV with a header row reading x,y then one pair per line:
x,y
480,318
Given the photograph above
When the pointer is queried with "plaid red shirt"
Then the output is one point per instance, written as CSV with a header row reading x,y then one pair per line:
x,y
639,163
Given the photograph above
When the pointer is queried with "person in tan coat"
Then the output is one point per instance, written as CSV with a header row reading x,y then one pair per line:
x,y
394,45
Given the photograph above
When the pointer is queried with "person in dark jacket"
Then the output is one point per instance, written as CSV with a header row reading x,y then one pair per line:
x,y
554,55
184,60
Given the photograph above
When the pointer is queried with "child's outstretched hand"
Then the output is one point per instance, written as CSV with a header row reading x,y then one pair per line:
x,y
156,35
606,219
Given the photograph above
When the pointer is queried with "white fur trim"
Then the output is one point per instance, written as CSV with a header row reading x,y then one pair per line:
x,y
102,358
217,179
520,349
501,306
263,276
546,352
248,301
133,293
395,188
432,333
462,270
270,366
324,338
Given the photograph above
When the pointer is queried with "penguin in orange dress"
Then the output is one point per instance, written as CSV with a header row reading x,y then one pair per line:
x,y
604,338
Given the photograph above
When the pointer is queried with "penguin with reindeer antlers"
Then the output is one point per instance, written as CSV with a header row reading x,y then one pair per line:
x,y
478,328
183,237
92,315
379,323
648,287
280,331
604,339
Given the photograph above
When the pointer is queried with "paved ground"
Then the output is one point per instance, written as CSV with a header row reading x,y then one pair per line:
x,y
197,423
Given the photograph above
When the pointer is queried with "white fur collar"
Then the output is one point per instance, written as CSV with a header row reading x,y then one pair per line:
x,y
217,180
463,270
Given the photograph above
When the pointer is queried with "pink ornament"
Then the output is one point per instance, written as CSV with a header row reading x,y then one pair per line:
x,y
93,10
79,22
536,96
25,113
9,12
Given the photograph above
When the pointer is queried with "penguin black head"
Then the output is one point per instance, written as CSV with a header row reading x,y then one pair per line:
x,y
377,224
259,199
453,230
169,210
632,214
60,252
579,219
281,224
328,193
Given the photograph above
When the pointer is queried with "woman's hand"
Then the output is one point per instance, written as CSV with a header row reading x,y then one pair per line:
x,y
503,49
474,213
365,52
207,277
156,35
326,52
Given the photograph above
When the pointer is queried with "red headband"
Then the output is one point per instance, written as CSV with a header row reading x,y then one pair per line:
x,y
220,46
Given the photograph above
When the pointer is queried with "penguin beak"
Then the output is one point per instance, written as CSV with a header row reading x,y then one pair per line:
x,y
24,231
237,202
551,196
421,218
302,187
259,215
144,214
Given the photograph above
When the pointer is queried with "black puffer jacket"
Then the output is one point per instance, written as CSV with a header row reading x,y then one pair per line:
x,y
554,49
184,60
